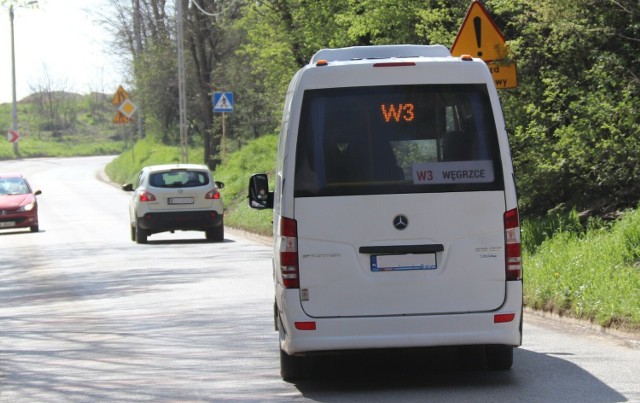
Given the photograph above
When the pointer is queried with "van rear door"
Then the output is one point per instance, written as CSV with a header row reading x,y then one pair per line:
x,y
399,201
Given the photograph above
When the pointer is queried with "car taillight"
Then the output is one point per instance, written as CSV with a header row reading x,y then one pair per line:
x,y
513,250
212,195
146,196
288,249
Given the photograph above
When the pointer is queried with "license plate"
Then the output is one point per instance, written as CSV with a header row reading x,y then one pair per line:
x,y
181,200
7,224
420,261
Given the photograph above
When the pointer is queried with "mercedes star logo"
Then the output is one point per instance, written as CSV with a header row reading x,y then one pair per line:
x,y
400,222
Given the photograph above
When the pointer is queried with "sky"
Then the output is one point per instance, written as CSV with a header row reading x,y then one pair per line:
x,y
62,40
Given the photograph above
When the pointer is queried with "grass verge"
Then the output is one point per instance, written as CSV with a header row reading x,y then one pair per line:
x,y
591,273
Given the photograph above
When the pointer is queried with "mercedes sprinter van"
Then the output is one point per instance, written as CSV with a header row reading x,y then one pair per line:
x,y
395,212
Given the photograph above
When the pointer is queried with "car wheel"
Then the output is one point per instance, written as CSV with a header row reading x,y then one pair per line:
x,y
141,235
215,234
133,232
35,228
293,368
499,358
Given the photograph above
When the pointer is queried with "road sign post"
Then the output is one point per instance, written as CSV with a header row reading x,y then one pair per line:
x,y
126,108
223,102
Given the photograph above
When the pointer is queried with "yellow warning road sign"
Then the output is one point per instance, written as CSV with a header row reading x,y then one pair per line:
x,y
479,36
119,96
120,118
504,74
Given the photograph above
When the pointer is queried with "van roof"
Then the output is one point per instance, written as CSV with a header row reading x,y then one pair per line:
x,y
380,52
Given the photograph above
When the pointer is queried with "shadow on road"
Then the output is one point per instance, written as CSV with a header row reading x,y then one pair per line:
x,y
440,375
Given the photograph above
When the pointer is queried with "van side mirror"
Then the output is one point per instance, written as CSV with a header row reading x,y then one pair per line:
x,y
219,185
259,195
127,187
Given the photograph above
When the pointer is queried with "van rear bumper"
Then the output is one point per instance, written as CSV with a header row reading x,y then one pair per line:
x,y
334,334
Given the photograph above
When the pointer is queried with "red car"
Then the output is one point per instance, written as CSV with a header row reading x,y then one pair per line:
x,y
18,204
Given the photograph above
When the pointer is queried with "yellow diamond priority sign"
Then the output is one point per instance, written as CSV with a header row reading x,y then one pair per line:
x,y
127,108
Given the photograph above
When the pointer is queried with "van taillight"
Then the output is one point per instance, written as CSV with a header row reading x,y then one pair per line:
x,y
513,250
288,250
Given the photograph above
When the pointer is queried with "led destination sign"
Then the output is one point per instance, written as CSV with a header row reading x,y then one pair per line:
x,y
397,112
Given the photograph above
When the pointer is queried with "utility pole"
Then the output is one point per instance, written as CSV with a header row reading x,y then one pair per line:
x,y
14,104
182,104
136,65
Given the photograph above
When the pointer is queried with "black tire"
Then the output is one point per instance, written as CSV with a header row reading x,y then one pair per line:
x,y
499,358
294,368
34,228
133,233
215,234
141,235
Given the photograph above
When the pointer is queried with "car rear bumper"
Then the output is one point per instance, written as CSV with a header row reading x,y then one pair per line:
x,y
189,220
459,329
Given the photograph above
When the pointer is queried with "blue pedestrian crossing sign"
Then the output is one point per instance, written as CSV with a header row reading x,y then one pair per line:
x,y
223,101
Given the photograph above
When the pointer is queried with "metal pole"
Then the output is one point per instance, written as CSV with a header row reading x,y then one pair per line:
x,y
224,137
137,64
14,104
182,104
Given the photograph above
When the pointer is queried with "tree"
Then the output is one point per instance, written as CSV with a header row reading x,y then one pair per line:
x,y
53,102
573,119
575,130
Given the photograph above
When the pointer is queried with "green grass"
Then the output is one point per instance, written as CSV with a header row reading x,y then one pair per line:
x,y
86,133
34,148
591,273
256,157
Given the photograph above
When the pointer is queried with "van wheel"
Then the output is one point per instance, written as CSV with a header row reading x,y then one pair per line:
x,y
499,358
294,368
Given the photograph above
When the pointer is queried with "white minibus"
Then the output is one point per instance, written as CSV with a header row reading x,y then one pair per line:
x,y
395,210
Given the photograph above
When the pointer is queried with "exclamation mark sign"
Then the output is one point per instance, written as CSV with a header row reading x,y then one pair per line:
x,y
477,25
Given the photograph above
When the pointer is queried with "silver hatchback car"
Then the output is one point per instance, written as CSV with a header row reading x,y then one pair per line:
x,y
175,197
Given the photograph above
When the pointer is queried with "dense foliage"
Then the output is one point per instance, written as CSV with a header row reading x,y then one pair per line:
x,y
572,119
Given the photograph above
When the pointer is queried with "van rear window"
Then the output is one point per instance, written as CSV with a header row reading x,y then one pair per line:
x,y
397,139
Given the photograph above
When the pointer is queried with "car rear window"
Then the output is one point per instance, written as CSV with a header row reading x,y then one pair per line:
x,y
179,179
397,139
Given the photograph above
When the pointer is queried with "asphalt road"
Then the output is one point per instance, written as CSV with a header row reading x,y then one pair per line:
x,y
88,315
